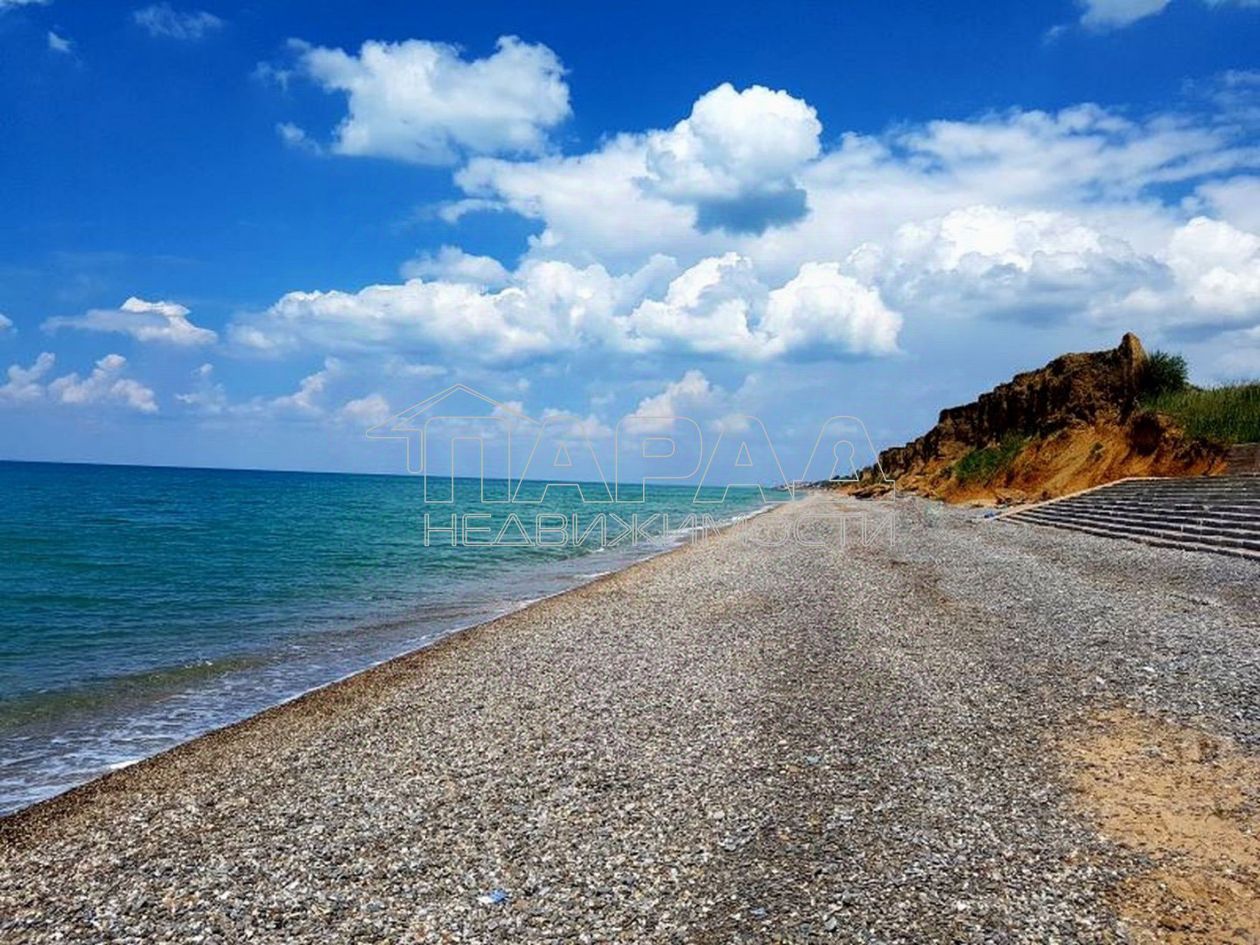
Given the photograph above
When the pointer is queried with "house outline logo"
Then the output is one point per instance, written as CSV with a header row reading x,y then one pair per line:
x,y
404,425
418,441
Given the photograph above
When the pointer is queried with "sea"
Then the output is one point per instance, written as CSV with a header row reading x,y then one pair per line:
x,y
143,606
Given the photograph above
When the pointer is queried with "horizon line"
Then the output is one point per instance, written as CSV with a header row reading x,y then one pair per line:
x,y
380,475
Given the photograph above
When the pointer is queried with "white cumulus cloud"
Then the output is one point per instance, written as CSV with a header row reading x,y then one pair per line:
x,y
308,399
164,322
314,399
1217,266
415,315
692,397
1027,214
452,264
1052,217
822,310
709,309
717,307
987,261
26,384
720,307
736,158
366,411
1085,159
106,385
631,223
1214,281
423,102
569,425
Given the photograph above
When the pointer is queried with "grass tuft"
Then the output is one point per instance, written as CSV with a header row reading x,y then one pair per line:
x,y
983,464
1227,414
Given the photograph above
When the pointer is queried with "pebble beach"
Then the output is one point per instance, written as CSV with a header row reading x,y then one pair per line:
x,y
748,739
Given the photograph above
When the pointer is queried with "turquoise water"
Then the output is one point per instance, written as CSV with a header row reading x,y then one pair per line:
x,y
142,606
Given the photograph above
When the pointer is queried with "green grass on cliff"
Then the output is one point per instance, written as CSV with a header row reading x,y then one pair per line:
x,y
1164,373
1227,414
983,464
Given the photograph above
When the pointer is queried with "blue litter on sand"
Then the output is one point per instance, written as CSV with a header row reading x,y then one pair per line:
x,y
493,897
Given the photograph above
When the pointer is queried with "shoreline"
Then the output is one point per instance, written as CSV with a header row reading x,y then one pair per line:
x,y
11,823
747,738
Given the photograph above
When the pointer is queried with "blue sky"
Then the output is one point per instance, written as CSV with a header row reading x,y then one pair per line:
x,y
241,234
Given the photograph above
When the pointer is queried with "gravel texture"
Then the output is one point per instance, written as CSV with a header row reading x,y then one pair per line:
x,y
748,740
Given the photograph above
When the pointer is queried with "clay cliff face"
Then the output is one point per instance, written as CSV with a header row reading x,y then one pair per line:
x,y
1073,388
1083,426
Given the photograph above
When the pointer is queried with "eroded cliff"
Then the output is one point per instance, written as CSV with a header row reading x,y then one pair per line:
x,y
1075,423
